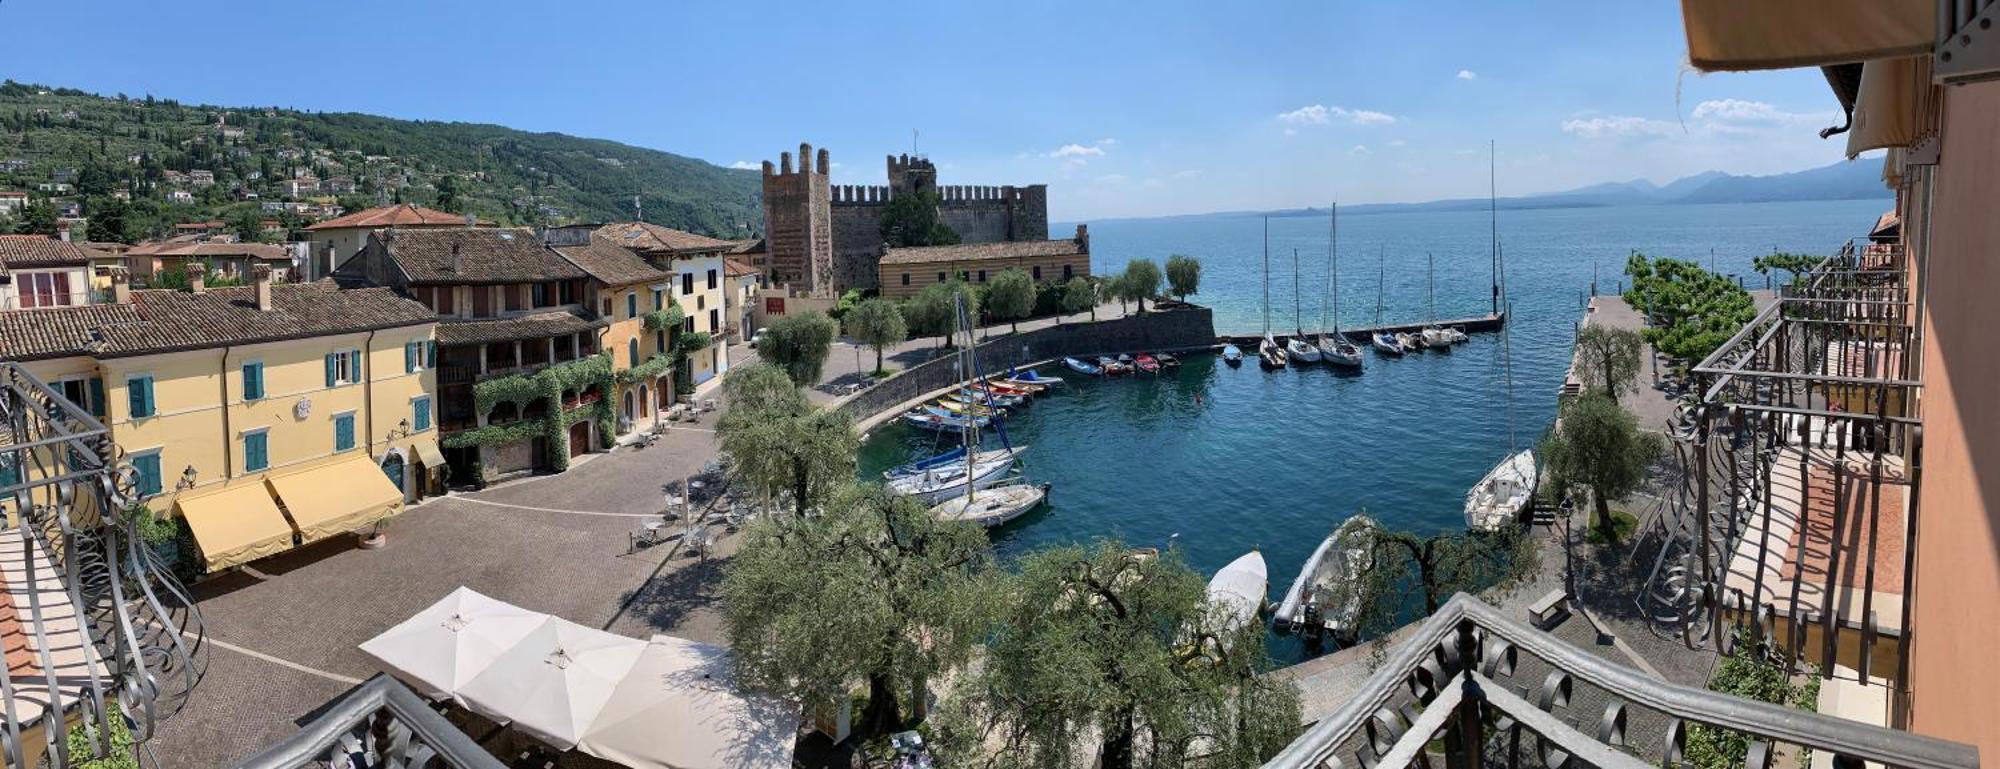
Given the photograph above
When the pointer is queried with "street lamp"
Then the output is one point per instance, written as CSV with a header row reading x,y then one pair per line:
x,y
401,430
187,479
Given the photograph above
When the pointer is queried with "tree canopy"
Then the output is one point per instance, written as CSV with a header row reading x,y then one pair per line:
x,y
1691,311
1080,294
912,220
1608,358
1139,282
1793,265
799,344
879,324
875,588
932,311
1409,570
1011,296
1598,445
1183,276
778,444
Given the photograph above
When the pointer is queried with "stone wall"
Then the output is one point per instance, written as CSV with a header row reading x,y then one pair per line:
x,y
1178,329
857,244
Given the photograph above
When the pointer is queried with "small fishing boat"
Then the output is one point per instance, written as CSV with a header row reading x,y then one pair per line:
x,y
948,423
1232,355
1112,367
1147,363
942,483
1001,388
993,505
952,458
1030,376
1125,358
1500,497
1325,597
1168,360
1081,367
956,406
1241,587
1024,388
1387,344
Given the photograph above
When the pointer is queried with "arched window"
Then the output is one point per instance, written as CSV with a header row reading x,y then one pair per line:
x,y
632,349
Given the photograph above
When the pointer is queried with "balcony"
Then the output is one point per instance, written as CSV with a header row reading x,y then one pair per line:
x,y
97,629
1486,690
384,721
1800,460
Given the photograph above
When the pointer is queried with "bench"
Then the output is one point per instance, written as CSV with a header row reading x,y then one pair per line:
x,y
1547,608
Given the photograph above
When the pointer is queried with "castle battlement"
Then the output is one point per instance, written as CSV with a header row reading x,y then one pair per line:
x,y
860,195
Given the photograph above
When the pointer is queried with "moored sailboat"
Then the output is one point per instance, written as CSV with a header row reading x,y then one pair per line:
x,y
1334,348
1270,354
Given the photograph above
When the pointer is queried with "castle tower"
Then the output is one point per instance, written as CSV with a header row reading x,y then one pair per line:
x,y
798,222
909,175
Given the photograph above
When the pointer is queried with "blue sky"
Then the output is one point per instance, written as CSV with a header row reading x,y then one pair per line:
x,y
1124,109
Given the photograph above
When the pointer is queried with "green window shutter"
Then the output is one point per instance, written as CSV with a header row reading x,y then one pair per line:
x,y
253,381
148,467
343,432
409,357
422,417
354,365
431,354
97,396
332,374
139,394
255,456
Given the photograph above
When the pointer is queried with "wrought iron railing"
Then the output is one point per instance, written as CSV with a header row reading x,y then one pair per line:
x,y
112,636
1798,496
1486,690
379,723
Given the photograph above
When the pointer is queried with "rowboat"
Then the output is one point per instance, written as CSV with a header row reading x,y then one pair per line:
x,y
1326,596
1232,355
1024,388
936,485
1499,498
1001,388
1240,587
984,397
1168,360
1030,376
1112,367
960,407
993,505
1147,363
1082,367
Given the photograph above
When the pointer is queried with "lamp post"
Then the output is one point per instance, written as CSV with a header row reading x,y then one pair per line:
x,y
187,479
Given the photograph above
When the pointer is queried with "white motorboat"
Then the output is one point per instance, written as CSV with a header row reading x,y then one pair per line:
x,y
1500,497
1298,350
1241,587
1436,336
1326,597
1386,343
994,505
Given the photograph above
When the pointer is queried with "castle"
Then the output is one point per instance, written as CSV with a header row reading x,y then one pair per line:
x,y
824,239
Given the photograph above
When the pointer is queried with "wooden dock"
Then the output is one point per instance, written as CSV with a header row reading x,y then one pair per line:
x,y
1361,334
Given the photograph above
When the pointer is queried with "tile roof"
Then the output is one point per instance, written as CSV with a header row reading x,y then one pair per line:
x,y
645,236
751,246
540,325
21,251
486,255
737,268
611,263
265,251
166,320
979,251
405,215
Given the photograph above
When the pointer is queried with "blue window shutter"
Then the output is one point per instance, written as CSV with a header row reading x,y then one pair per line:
x,y
332,373
139,394
148,467
632,305
97,396
354,364
422,417
343,432
253,381
409,357
431,353
254,455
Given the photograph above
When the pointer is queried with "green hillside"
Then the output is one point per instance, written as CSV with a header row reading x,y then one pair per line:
x,y
108,149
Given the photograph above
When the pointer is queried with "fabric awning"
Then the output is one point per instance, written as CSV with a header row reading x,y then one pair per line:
x,y
235,525
337,498
1896,106
1781,34
427,453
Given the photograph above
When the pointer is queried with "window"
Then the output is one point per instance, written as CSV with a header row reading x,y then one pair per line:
x,y
659,300
541,292
343,431
631,304
982,276
444,296
418,356
1067,272
566,292
687,324
147,467
343,368
714,320
420,416
632,351
687,283
86,393
256,451
482,301
606,312
711,280
700,303
139,394
44,289
253,380
1036,272
906,279
660,342
941,277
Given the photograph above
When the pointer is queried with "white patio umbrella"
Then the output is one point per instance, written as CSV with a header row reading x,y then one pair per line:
x,y
553,682
444,646
679,708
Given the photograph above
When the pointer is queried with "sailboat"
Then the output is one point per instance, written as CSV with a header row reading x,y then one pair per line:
x,y
1385,342
1508,489
1269,354
1326,597
1434,335
1002,502
1333,345
1297,348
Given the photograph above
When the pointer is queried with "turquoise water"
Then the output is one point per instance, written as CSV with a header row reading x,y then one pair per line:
x,y
1220,460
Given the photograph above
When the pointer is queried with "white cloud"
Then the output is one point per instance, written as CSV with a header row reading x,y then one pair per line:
x,y
1077,151
1397,142
1111,179
1618,126
745,165
1359,149
1746,111
1106,142
1291,132
1466,74
1320,114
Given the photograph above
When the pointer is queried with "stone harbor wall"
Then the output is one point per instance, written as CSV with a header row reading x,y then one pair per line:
x,y
1190,328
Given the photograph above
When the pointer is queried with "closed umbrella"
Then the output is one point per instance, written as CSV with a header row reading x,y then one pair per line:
x,y
552,683
446,645
678,708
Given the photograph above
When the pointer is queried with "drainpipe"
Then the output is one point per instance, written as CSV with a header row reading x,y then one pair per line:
x,y
368,393
228,440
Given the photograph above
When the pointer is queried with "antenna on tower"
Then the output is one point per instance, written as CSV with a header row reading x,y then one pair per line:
x,y
638,208
913,143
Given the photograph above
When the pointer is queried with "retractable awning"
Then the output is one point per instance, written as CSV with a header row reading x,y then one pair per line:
x,y
337,498
1896,106
235,525
1782,34
427,453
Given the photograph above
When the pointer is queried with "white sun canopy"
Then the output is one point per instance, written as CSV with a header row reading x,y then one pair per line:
x,y
679,708
552,683
444,646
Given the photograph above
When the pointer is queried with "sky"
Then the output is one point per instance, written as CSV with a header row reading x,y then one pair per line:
x,y
1123,109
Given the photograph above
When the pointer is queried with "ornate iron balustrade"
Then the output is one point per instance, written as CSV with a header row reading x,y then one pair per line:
x,y
1800,461
386,725
112,636
1496,692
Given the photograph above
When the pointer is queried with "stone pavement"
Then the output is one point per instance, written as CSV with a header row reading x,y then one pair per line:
x,y
286,642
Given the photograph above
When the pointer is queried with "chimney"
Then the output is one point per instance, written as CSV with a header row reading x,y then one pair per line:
x,y
471,220
197,275
260,275
1083,237
121,286
457,262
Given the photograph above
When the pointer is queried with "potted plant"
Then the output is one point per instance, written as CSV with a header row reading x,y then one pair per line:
x,y
377,537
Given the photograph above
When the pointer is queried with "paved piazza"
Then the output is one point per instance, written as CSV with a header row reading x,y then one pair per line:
x,y
285,642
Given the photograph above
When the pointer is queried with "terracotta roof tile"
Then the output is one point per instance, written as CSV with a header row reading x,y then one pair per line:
x,y
645,236
22,251
540,325
485,254
265,251
165,320
737,268
405,215
608,262
976,251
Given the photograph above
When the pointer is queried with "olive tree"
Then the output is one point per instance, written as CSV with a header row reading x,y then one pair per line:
x,y
1011,296
1080,294
1598,445
778,443
873,589
878,324
933,312
799,344
1139,282
1407,570
1183,276
1608,358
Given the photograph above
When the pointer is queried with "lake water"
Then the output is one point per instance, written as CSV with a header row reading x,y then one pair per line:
x,y
1230,459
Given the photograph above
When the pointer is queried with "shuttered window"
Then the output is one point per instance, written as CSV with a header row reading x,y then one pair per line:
x,y
147,467
343,432
421,417
253,381
139,392
256,451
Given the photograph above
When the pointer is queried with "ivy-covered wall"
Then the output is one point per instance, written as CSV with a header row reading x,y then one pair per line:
x,y
548,384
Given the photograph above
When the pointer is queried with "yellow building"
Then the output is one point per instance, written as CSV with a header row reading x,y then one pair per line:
x,y
698,284
334,241
267,416
632,299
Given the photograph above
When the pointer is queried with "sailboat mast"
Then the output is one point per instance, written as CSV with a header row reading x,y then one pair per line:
x,y
1298,316
1493,216
1431,279
1381,280
1507,363
968,365
1329,316
1267,277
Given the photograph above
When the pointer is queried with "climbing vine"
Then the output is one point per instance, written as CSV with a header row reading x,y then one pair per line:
x,y
665,320
652,368
547,384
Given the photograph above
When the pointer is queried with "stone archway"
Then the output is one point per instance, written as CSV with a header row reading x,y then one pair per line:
x,y
394,466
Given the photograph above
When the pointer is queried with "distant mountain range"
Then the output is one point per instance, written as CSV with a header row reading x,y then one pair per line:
x,y
1857,180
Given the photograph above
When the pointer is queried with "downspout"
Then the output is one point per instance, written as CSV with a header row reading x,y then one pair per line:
x,y
228,440
368,394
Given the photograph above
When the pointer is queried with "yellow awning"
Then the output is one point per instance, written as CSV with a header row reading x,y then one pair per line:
x,y
427,453
1897,105
336,498
235,525
1782,34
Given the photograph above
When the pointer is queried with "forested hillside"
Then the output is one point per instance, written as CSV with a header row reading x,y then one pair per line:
x,y
135,166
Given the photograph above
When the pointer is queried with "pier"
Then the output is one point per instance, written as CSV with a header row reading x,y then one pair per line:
x,y
1361,334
